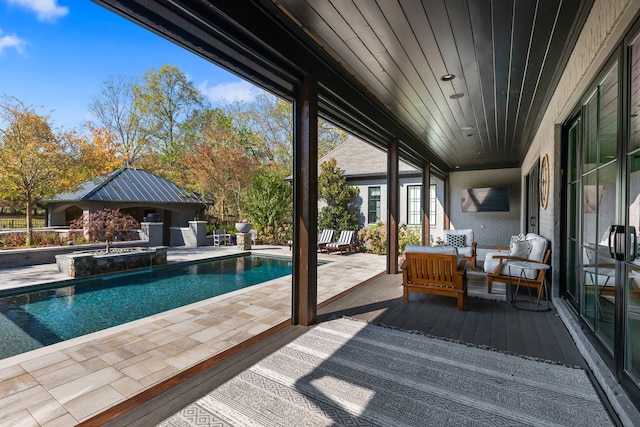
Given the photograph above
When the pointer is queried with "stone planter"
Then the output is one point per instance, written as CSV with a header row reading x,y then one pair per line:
x,y
243,227
85,264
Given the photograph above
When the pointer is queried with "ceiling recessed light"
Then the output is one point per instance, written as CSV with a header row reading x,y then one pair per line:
x,y
466,127
447,77
456,96
470,134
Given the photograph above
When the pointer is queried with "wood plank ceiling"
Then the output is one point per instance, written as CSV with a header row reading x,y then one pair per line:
x,y
506,57
379,64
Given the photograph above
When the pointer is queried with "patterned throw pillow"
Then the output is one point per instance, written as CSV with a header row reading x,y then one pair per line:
x,y
457,240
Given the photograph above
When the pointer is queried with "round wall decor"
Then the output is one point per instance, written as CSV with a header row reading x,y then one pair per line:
x,y
544,181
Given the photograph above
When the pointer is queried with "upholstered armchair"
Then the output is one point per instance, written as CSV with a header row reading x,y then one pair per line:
x,y
463,241
531,247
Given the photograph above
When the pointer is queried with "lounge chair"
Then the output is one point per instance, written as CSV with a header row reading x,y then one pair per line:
x,y
346,242
325,238
435,270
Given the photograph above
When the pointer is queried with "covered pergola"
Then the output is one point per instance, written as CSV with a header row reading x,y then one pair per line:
x,y
446,86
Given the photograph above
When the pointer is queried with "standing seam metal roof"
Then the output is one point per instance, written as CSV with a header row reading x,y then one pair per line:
x,y
131,185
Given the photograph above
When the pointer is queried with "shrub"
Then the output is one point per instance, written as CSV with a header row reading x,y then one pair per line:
x,y
408,236
373,238
274,235
14,240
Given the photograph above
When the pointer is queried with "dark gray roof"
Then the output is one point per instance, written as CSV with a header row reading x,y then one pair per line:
x,y
356,157
130,185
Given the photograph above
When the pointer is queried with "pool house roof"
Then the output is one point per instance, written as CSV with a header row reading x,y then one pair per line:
x,y
131,185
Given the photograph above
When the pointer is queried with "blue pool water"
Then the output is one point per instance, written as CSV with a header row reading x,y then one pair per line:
x,y
43,317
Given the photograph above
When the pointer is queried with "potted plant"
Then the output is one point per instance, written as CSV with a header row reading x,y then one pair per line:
x,y
243,227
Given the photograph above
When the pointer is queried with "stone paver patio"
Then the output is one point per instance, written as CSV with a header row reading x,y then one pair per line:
x,y
66,383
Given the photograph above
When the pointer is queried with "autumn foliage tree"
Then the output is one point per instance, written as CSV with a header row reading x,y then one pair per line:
x,y
219,164
35,160
98,155
222,174
38,161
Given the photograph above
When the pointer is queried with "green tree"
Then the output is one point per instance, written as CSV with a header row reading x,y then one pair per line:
x,y
167,100
340,212
35,162
270,204
271,118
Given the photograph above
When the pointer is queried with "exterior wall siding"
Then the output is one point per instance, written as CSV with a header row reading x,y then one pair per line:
x,y
607,23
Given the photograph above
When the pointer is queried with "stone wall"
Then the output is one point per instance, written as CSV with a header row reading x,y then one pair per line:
x,y
85,264
36,256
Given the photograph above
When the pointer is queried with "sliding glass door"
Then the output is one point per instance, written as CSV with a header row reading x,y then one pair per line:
x,y
598,210
631,285
602,225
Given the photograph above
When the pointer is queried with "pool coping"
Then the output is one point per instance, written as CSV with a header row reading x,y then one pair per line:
x,y
75,380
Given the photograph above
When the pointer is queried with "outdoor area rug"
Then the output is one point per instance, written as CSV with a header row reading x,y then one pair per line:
x,y
347,372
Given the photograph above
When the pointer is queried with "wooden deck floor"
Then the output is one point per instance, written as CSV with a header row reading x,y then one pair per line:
x,y
495,324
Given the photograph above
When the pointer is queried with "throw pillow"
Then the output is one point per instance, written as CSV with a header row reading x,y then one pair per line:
x,y
520,249
457,240
519,238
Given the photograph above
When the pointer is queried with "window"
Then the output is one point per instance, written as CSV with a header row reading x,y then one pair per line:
x,y
413,204
374,205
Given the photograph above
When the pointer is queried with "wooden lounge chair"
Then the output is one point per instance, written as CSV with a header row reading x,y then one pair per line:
x,y
434,270
346,242
325,237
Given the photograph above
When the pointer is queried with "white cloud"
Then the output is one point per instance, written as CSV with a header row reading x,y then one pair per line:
x,y
229,91
45,10
11,41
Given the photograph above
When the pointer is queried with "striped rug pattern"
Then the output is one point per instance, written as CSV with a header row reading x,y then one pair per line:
x,y
346,372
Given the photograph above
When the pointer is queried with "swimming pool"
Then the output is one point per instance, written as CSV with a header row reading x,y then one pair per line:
x,y
43,317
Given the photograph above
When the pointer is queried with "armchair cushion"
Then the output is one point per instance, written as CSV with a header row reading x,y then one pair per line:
x,y
538,246
444,250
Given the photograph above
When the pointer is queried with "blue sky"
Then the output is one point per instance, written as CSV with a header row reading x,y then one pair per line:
x,y
55,54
